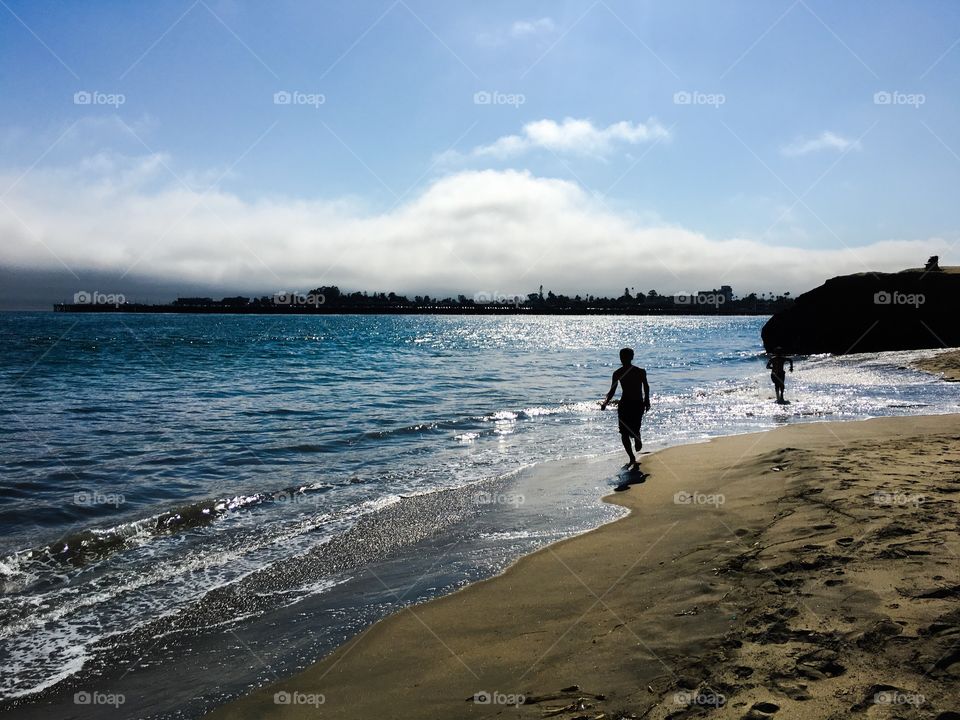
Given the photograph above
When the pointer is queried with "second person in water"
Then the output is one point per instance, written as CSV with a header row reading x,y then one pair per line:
x,y
778,373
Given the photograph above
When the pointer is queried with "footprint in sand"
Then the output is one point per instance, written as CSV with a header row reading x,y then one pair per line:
x,y
761,710
819,664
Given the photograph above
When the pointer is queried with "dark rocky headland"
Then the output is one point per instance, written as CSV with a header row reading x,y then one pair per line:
x,y
871,312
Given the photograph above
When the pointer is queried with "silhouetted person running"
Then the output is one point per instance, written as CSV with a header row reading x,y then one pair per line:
x,y
634,401
777,373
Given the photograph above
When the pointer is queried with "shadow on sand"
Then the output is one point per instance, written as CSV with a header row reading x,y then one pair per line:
x,y
627,477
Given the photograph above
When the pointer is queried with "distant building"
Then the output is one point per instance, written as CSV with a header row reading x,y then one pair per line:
x,y
708,296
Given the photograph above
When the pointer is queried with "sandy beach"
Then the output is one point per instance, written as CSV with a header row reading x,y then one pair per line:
x,y
812,571
946,364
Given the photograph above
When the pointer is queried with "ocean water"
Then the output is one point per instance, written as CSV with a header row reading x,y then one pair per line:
x,y
180,491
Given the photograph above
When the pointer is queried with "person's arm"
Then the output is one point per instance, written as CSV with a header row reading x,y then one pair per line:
x,y
646,391
770,364
791,364
613,390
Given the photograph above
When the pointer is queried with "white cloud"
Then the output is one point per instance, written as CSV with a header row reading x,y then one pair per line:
x,y
518,30
825,141
573,136
504,231
526,28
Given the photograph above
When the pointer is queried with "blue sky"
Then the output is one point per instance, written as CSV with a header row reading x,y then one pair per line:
x,y
784,154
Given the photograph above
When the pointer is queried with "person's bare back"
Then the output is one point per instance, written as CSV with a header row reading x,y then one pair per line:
x,y
631,381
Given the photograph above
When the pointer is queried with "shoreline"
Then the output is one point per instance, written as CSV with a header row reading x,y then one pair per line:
x,y
557,622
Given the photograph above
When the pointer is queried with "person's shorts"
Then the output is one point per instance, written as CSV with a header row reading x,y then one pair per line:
x,y
630,418
778,379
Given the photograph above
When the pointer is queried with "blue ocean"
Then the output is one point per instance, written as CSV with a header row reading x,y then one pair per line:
x,y
194,505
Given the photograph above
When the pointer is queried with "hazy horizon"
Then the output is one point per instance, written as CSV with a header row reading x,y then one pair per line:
x,y
38,290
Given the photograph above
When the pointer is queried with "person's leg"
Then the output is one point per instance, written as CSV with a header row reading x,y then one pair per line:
x,y
625,439
630,427
777,386
627,424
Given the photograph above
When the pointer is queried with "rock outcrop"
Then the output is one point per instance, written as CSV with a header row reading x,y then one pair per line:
x,y
871,312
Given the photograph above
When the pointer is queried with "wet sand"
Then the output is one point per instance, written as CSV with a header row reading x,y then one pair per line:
x,y
946,364
807,572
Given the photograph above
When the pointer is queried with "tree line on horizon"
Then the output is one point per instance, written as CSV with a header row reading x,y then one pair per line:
x,y
330,296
